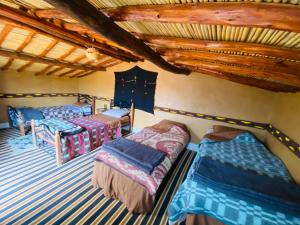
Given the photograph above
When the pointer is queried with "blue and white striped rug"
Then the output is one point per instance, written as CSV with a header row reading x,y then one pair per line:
x,y
33,190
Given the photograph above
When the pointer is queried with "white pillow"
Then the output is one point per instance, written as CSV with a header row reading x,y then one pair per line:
x,y
118,113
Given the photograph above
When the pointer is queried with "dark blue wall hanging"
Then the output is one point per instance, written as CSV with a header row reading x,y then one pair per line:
x,y
135,85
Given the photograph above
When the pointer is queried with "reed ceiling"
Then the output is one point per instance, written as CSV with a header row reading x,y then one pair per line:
x,y
254,43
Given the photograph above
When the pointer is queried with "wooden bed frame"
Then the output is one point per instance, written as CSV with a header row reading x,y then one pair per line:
x,y
56,138
80,98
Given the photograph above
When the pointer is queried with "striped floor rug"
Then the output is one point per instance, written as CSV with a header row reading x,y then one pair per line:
x,y
33,190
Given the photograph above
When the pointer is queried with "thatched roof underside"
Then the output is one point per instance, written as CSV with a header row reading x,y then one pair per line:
x,y
244,42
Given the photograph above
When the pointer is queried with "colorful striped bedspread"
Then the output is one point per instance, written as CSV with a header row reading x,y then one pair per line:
x,y
172,143
99,132
79,135
75,141
237,182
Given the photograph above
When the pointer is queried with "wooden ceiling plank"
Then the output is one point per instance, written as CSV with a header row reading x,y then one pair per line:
x,y
243,71
5,31
37,59
247,81
261,50
42,54
264,15
86,14
249,61
22,19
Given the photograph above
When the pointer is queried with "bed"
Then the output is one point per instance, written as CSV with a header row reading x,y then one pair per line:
x,y
76,136
123,180
21,117
234,179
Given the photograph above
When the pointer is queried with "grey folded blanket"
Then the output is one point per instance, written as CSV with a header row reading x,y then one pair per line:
x,y
139,155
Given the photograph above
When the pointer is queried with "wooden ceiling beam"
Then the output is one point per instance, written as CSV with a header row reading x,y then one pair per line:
x,y
113,63
51,14
255,63
37,59
81,74
106,62
77,74
27,40
85,74
7,64
261,50
43,71
247,81
76,60
239,69
5,31
17,17
264,15
65,55
66,73
41,55
19,49
86,14
51,72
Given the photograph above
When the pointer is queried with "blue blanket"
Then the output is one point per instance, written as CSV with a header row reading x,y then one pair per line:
x,y
29,113
270,193
237,182
141,156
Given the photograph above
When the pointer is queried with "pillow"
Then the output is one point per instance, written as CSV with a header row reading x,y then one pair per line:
x,y
223,133
118,113
221,129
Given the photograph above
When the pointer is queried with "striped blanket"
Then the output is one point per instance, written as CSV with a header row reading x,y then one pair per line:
x,y
99,132
171,143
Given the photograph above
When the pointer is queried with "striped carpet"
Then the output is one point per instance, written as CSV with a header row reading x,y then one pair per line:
x,y
33,190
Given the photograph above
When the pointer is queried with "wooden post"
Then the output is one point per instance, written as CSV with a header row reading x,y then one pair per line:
x,y
78,97
131,117
33,131
57,145
21,124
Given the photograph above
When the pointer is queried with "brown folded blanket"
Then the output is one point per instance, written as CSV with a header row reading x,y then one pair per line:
x,y
223,133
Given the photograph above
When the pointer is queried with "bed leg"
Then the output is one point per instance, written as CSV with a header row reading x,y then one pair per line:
x,y
21,124
58,148
33,131
131,116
